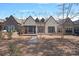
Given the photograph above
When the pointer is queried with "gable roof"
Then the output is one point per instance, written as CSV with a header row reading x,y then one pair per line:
x,y
36,20
76,22
11,18
42,20
2,20
29,18
62,21
52,18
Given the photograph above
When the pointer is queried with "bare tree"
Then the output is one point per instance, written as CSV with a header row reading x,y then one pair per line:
x,y
67,12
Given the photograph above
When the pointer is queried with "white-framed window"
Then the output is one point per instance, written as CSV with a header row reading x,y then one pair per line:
x,y
51,29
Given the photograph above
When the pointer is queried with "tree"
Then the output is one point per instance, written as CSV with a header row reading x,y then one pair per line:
x,y
67,12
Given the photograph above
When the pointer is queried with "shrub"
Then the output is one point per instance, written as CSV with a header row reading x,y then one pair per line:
x,y
1,35
13,50
10,35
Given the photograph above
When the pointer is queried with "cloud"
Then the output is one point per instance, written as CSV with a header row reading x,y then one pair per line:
x,y
35,12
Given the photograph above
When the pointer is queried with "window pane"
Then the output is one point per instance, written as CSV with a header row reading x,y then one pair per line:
x,y
51,29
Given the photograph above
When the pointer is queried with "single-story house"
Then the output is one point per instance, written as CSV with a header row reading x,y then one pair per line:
x,y
42,26
76,27
1,24
66,25
10,24
39,26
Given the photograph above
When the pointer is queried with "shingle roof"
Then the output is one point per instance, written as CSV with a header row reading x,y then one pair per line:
x,y
2,20
52,18
36,20
21,21
42,20
62,21
76,22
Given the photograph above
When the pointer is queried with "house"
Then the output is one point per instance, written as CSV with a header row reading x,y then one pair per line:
x,y
10,24
41,26
67,25
1,24
76,27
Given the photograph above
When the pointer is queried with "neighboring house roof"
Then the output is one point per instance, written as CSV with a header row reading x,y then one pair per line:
x,y
21,21
76,22
63,21
2,20
36,20
42,20
10,20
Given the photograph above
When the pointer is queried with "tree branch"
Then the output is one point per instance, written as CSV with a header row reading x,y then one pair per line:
x,y
69,9
75,15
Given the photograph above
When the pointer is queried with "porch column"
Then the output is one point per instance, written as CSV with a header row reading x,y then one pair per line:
x,y
36,30
23,30
55,29
72,30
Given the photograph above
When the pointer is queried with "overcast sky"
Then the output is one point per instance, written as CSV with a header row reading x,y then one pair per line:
x,y
23,10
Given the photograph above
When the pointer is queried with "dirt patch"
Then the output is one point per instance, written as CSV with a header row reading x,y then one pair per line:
x,y
51,47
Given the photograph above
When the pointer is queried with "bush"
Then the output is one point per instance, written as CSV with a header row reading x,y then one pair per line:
x,y
1,35
9,35
13,50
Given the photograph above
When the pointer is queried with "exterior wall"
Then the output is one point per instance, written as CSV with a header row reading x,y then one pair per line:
x,y
51,22
38,24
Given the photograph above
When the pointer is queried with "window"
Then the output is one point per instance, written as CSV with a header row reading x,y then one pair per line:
x,y
30,29
51,29
68,30
9,28
41,29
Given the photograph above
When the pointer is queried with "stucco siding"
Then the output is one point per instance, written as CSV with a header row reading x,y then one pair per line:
x,y
51,22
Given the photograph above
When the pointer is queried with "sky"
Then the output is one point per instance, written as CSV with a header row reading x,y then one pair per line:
x,y
23,10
